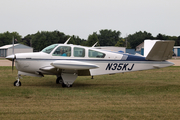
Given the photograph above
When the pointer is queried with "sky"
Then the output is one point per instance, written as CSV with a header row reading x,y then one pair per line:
x,y
83,17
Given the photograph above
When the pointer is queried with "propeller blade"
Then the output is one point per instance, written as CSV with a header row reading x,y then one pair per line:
x,y
12,65
13,62
14,57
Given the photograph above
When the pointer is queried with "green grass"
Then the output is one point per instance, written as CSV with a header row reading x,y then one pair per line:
x,y
3,58
152,94
175,58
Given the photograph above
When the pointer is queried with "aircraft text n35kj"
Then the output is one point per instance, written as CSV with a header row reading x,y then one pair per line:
x,y
119,66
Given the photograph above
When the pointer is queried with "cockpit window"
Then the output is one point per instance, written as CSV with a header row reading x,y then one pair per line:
x,y
96,54
49,48
62,51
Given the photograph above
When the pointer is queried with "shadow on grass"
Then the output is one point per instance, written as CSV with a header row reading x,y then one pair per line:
x,y
54,85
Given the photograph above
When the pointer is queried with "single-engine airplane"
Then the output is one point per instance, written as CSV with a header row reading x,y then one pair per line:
x,y
68,61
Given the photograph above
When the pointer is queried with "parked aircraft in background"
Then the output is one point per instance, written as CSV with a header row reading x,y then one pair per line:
x,y
68,61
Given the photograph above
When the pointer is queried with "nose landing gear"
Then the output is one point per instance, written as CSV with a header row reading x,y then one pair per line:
x,y
17,83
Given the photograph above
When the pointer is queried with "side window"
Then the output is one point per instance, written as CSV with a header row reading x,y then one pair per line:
x,y
79,52
62,51
95,54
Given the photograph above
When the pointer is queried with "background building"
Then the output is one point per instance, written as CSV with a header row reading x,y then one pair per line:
x,y
176,50
18,48
113,48
140,49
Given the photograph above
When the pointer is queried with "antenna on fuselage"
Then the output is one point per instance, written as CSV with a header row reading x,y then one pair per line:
x,y
67,41
95,44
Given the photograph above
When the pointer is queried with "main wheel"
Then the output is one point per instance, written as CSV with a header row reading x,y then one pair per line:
x,y
16,83
59,80
64,85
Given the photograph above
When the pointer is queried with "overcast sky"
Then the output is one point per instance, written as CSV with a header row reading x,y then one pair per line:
x,y
83,17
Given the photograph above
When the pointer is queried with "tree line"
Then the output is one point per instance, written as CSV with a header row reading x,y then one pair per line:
x,y
105,37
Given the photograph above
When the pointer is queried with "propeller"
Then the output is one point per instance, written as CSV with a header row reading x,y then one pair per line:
x,y
14,56
13,62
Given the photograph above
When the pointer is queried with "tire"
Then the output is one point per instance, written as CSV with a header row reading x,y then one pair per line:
x,y
59,80
64,85
17,84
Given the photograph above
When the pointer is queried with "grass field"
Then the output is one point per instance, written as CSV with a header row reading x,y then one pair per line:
x,y
1,58
152,94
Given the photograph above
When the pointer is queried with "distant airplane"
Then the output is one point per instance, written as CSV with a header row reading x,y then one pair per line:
x,y
68,61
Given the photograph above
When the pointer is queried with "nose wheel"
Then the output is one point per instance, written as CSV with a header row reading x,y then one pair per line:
x,y
17,83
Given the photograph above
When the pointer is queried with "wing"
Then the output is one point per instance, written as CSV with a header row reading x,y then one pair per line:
x,y
75,65
82,68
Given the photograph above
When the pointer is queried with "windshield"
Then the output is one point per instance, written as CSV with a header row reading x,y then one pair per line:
x,y
49,48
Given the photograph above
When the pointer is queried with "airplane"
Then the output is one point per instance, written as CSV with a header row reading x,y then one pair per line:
x,y
68,61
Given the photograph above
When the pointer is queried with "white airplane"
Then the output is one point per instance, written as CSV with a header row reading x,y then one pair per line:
x,y
68,61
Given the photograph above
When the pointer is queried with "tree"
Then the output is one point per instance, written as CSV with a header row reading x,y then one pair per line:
x,y
92,39
162,37
166,37
75,40
43,39
138,37
27,40
177,43
108,37
6,38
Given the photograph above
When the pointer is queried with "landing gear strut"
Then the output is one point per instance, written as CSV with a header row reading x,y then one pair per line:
x,y
17,82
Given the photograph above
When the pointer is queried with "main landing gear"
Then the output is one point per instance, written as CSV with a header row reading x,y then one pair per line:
x,y
17,83
66,79
59,80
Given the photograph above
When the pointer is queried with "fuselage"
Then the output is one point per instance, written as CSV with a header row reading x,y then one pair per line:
x,y
83,60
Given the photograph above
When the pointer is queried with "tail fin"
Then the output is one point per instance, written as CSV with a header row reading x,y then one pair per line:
x,y
162,50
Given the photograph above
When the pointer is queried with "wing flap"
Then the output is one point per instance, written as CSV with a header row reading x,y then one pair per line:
x,y
162,50
76,65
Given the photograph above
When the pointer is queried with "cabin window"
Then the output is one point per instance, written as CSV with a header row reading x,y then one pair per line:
x,y
62,51
49,48
79,52
96,54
